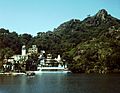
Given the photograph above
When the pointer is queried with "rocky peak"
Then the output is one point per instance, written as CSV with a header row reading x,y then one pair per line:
x,y
102,14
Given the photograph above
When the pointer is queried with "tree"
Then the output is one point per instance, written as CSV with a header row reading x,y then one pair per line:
x,y
25,38
5,54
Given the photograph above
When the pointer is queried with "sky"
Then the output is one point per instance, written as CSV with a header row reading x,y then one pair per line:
x,y
33,16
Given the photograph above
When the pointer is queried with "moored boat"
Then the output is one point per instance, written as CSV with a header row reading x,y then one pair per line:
x,y
30,73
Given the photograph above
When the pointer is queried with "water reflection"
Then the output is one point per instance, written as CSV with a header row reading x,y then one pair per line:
x,y
60,83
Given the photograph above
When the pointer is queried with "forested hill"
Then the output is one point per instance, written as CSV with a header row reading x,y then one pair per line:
x,y
90,45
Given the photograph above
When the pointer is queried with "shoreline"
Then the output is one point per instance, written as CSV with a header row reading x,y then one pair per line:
x,y
36,72
12,73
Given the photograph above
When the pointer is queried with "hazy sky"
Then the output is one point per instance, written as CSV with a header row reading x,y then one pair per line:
x,y
32,16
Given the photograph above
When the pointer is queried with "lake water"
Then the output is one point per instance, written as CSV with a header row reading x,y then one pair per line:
x,y
61,83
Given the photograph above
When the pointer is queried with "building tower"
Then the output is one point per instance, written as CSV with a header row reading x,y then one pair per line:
x,y
23,50
58,58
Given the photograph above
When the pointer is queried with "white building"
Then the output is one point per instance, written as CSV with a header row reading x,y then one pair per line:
x,y
23,50
24,55
33,50
19,58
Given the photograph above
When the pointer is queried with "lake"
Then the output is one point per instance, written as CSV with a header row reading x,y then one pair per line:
x,y
61,83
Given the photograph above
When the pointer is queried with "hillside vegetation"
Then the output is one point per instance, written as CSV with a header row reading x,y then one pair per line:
x,y
90,45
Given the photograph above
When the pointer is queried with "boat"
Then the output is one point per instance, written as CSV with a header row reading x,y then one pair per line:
x,y
51,70
30,73
49,65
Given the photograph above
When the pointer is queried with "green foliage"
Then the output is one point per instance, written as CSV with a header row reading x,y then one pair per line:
x,y
5,54
91,45
101,54
9,39
32,62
